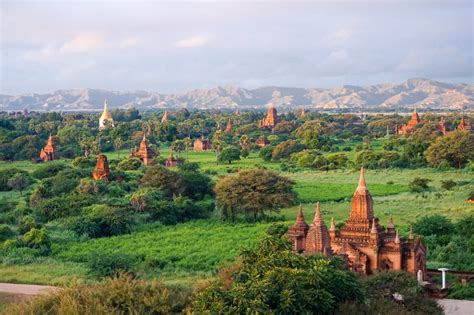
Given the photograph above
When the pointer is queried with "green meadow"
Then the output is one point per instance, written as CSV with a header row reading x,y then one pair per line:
x,y
194,250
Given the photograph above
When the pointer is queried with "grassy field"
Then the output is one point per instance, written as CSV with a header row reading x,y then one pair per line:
x,y
194,250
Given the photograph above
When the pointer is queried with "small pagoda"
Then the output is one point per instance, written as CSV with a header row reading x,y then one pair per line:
x,y
262,142
202,145
271,120
465,124
171,161
228,128
102,171
144,153
47,153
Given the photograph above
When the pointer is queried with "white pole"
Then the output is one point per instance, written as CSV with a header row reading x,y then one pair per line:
x,y
443,277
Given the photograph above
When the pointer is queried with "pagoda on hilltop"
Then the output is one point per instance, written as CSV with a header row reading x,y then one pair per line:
x,y
409,128
363,242
144,153
101,171
442,127
47,152
271,120
106,116
465,124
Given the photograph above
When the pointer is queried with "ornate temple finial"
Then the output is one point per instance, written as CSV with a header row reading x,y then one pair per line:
x,y
410,237
333,226
362,184
374,228
105,104
317,216
397,238
390,223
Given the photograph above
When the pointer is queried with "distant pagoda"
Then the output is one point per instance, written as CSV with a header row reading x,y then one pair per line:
x,y
171,161
145,153
165,117
228,128
106,116
47,153
102,171
271,120
409,128
465,124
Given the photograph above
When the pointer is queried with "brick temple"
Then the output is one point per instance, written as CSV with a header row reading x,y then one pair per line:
x,y
409,128
144,153
202,145
271,120
101,171
465,124
365,244
47,152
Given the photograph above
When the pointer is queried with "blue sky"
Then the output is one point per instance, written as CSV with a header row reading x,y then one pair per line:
x,y
177,46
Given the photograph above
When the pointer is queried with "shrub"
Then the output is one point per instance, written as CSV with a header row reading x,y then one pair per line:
x,y
110,264
129,164
448,184
48,170
118,295
419,185
37,238
6,174
266,153
5,232
434,225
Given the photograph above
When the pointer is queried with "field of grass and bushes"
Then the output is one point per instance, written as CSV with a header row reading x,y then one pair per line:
x,y
80,226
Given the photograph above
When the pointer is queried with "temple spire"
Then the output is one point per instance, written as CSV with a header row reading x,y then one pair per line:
x,y
374,228
410,237
333,226
317,216
397,238
300,217
390,224
362,184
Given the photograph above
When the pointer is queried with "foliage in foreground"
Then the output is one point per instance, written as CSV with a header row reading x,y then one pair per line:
x,y
118,295
274,279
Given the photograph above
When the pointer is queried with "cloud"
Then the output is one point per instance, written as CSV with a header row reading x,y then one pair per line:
x,y
83,43
35,55
129,42
192,42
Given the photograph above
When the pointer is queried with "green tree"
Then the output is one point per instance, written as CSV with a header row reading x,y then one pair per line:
x,y
455,149
285,149
272,279
168,182
118,143
19,182
419,185
228,155
253,192
434,225
309,133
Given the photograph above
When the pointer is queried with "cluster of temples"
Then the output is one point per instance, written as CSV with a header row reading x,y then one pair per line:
x,y
415,121
364,244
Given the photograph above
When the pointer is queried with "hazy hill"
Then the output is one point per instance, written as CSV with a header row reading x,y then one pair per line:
x,y
421,93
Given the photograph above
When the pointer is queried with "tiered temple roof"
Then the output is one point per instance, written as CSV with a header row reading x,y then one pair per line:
x,y
465,124
171,161
228,128
409,128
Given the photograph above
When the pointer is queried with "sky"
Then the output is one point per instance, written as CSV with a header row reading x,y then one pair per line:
x,y
176,46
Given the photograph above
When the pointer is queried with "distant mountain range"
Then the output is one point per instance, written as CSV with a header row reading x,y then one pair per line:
x,y
419,93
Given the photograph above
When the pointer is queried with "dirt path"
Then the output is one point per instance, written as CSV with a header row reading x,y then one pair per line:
x,y
25,289
457,307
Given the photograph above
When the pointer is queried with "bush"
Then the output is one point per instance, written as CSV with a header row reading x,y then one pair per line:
x,y
37,238
118,295
434,225
419,185
48,170
5,232
448,184
6,174
110,264
266,153
129,164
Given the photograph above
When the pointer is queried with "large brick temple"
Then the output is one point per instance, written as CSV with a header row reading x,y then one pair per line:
x,y
271,120
365,244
